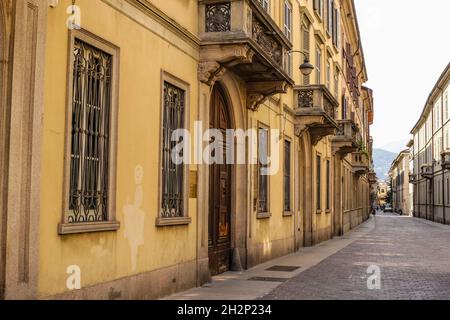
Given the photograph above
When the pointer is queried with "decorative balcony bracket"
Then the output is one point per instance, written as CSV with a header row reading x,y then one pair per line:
x,y
210,71
445,159
426,171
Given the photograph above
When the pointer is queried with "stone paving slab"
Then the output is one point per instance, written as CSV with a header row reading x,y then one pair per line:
x,y
237,286
413,256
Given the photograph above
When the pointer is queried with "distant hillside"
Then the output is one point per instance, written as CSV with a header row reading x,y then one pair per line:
x,y
382,160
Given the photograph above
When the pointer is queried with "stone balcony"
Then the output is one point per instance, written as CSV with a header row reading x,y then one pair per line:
x,y
360,163
315,109
241,37
372,177
445,159
426,171
347,138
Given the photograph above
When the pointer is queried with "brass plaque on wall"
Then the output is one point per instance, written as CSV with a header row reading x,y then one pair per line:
x,y
193,184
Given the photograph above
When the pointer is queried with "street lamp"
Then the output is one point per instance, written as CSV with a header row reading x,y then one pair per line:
x,y
306,68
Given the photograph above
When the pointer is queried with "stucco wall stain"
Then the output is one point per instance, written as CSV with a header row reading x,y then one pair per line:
x,y
134,218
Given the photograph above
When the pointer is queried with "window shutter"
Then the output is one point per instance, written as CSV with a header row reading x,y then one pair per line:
x,y
316,5
306,49
338,28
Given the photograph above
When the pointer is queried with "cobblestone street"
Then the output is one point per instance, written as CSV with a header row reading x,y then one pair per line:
x,y
413,256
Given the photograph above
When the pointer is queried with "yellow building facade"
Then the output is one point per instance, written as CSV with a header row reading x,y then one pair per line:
x,y
92,204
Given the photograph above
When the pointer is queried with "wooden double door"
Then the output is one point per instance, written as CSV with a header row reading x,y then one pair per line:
x,y
220,185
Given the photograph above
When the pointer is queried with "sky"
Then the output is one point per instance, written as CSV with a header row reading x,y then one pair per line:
x,y
406,45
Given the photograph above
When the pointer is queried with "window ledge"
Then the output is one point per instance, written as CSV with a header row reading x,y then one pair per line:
x,y
318,211
288,214
328,211
74,228
176,221
263,215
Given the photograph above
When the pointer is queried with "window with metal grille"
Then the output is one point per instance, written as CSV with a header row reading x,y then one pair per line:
x,y
90,134
328,185
287,176
318,183
172,201
263,183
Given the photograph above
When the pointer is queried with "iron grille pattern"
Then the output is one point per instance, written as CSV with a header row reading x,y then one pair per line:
x,y
264,38
287,176
172,173
218,17
263,155
305,98
90,136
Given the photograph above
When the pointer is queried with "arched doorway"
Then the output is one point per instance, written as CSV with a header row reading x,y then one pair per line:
x,y
220,190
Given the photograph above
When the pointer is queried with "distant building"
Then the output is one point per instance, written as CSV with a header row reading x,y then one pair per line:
x,y
399,174
382,194
431,154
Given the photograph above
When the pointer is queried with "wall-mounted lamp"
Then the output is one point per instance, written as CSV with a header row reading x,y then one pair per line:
x,y
306,67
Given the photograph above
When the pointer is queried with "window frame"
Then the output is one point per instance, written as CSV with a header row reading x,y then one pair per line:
x,y
328,75
290,211
265,4
306,47
328,198
111,224
185,219
318,171
319,58
287,25
267,214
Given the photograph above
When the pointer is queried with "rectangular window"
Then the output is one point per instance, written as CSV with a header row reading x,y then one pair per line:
x,y
328,186
264,4
336,83
91,134
337,28
318,183
263,183
318,7
328,75
173,175
448,191
446,111
287,176
344,107
287,19
306,50
437,115
330,8
318,66
288,64
172,204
